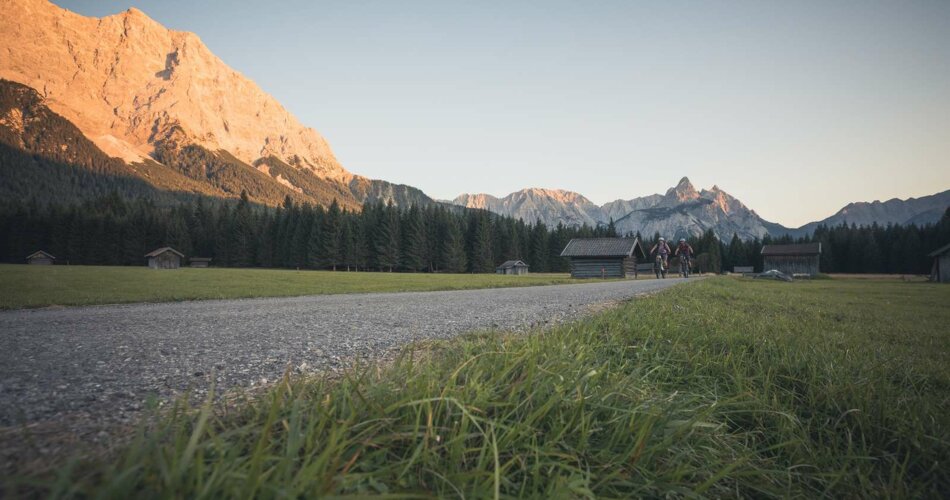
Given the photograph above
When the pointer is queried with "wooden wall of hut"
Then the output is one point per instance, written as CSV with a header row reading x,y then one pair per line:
x,y
792,264
165,260
941,272
603,267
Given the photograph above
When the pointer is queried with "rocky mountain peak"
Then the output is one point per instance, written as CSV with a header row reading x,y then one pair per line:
x,y
682,192
127,81
556,195
682,211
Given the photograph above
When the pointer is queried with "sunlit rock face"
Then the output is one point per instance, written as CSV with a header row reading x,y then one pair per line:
x,y
143,93
550,206
128,82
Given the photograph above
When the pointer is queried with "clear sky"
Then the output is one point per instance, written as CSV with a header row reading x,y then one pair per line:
x,y
794,107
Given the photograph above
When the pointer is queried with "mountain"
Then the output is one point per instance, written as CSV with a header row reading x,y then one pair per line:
x,y
552,206
149,95
684,211
680,212
44,156
923,210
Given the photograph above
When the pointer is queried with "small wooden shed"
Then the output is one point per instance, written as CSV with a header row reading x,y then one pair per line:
x,y
164,258
512,267
940,272
604,257
800,259
40,258
199,261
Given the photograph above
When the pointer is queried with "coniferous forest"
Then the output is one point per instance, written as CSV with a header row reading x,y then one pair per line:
x,y
436,238
111,230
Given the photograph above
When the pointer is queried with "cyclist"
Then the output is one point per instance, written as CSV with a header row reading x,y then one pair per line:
x,y
663,250
684,251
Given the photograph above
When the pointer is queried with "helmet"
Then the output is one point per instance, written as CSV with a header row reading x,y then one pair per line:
x,y
682,240
662,238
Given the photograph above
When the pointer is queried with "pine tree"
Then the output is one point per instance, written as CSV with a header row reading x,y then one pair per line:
x,y
387,238
331,252
414,244
539,248
482,260
316,259
349,243
453,250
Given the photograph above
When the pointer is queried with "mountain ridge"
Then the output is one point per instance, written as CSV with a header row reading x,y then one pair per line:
x,y
139,90
685,211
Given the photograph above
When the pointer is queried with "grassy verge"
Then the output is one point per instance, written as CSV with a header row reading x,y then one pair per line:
x,y
721,388
38,286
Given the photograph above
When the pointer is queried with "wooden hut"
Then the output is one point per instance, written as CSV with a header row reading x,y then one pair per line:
x,y
199,261
40,258
800,259
164,258
512,267
940,272
604,257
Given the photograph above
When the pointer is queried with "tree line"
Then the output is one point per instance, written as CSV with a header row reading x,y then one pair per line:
x,y
112,230
877,249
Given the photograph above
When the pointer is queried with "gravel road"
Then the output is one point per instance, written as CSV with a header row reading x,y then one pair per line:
x,y
101,363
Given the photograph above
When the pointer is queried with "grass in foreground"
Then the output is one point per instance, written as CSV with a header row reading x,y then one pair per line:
x,y
721,388
24,286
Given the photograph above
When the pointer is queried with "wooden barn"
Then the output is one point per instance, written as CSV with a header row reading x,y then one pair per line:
x,y
40,258
512,267
199,261
164,258
940,272
604,257
800,259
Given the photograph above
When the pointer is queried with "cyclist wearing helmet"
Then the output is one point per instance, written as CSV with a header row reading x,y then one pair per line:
x,y
663,249
684,249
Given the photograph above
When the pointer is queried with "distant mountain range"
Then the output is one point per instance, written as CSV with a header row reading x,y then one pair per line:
x,y
90,106
923,210
684,211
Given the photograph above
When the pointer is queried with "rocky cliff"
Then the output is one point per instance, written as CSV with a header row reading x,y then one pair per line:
x,y
139,91
681,211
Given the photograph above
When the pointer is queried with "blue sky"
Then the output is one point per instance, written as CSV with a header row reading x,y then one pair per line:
x,y
796,108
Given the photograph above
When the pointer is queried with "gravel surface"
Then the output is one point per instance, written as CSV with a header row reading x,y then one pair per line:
x,y
73,367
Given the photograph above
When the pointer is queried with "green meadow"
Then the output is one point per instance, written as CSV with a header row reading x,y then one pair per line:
x,y
23,286
725,387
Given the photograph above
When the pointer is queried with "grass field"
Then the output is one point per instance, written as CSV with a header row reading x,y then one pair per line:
x,y
38,286
721,388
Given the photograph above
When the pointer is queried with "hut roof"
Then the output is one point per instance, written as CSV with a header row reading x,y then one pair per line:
x,y
156,253
801,249
508,264
602,247
940,251
40,253
199,259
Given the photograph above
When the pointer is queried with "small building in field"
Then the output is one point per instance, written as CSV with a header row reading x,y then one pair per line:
x,y
199,261
164,258
940,272
40,258
604,257
798,259
512,267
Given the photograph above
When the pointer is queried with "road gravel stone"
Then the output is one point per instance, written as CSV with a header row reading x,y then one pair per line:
x,y
102,363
